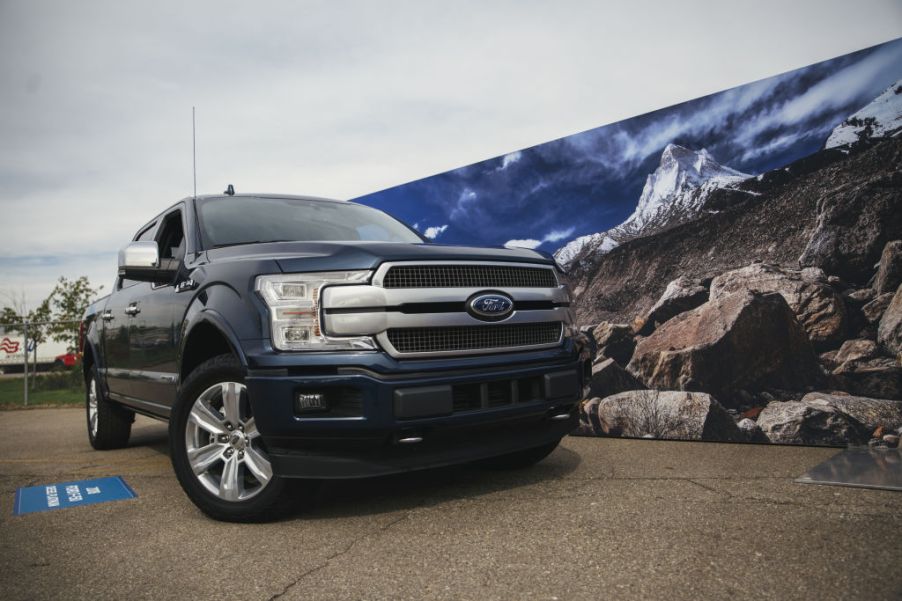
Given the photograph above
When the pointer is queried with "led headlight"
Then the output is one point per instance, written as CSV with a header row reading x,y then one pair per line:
x,y
293,301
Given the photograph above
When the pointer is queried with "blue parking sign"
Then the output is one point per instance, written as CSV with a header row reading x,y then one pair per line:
x,y
71,494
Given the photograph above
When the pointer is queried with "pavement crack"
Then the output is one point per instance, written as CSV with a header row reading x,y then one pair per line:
x,y
723,493
337,555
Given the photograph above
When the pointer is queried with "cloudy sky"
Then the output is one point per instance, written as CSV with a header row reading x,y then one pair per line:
x,y
339,98
544,196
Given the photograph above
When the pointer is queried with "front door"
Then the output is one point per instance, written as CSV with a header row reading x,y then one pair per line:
x,y
118,321
155,336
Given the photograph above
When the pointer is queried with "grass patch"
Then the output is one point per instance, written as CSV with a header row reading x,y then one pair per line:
x,y
12,395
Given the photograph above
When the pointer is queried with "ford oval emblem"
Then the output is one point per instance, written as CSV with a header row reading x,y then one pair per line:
x,y
490,306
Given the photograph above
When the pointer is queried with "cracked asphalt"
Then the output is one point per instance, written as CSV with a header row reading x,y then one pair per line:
x,y
600,518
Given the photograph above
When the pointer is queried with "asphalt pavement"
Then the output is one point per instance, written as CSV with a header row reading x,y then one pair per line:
x,y
598,519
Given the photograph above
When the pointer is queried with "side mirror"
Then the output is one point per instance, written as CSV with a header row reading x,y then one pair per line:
x,y
141,261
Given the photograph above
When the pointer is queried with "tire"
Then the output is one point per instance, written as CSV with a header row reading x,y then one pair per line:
x,y
216,450
519,459
109,424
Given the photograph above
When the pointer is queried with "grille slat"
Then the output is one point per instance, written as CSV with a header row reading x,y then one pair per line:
x,y
473,338
468,276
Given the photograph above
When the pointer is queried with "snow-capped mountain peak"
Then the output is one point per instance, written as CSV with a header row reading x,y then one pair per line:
x,y
674,193
881,118
668,190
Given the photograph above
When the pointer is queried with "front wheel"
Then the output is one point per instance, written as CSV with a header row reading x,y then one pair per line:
x,y
519,459
216,450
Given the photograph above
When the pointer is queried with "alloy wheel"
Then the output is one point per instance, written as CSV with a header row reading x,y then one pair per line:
x,y
224,448
92,407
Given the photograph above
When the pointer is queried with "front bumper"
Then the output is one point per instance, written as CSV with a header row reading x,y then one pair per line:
x,y
384,401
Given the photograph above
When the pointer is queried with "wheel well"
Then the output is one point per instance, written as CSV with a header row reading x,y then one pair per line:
x,y
204,342
87,359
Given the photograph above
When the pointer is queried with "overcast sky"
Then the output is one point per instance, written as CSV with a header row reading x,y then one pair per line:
x,y
545,196
339,98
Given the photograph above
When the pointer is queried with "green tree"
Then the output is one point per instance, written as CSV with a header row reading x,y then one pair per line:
x,y
67,303
15,314
58,315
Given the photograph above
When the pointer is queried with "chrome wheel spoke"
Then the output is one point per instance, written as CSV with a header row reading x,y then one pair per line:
x,y
223,446
207,418
231,401
92,407
204,458
258,465
229,486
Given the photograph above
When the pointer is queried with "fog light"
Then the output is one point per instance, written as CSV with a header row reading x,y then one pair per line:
x,y
307,402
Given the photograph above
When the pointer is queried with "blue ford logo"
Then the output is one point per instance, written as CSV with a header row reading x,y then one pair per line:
x,y
490,306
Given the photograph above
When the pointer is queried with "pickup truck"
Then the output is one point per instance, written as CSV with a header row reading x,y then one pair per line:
x,y
288,337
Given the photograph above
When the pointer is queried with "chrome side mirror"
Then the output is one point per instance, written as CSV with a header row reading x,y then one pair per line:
x,y
140,261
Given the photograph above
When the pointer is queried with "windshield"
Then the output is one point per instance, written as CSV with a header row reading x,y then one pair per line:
x,y
227,221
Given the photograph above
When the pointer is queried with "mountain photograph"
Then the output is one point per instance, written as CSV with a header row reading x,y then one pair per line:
x,y
736,259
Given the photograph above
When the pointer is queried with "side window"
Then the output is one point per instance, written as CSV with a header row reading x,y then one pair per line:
x,y
144,235
171,238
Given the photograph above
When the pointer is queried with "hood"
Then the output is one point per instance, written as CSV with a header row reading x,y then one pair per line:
x,y
341,256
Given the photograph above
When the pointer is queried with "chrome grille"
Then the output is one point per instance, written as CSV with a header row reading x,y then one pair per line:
x,y
468,276
474,338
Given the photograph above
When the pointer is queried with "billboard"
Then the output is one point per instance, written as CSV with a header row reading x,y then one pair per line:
x,y
737,257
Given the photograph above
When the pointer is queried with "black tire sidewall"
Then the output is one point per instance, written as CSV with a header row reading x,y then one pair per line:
x,y
224,368
114,422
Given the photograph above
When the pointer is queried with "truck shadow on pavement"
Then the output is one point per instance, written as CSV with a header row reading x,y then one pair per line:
x,y
329,499
426,488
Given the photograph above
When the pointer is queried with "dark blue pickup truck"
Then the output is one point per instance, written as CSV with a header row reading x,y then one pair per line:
x,y
293,337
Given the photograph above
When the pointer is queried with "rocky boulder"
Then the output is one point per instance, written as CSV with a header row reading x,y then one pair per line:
x,y
609,378
682,294
858,368
889,275
588,418
856,350
743,341
828,360
817,306
860,296
889,332
750,430
615,341
879,377
854,224
666,414
871,413
814,422
875,309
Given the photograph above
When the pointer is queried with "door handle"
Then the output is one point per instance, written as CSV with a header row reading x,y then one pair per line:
x,y
132,309
107,315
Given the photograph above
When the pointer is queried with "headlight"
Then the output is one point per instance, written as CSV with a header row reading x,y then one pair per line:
x,y
293,301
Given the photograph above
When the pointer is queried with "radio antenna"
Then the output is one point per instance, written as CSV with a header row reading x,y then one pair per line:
x,y
194,150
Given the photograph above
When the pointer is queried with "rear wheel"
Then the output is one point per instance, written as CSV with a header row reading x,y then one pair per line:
x,y
109,424
520,459
216,449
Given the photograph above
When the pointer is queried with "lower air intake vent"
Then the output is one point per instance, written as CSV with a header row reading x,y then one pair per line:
x,y
474,338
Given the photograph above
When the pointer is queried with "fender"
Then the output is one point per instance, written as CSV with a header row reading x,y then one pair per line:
x,y
93,340
218,305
